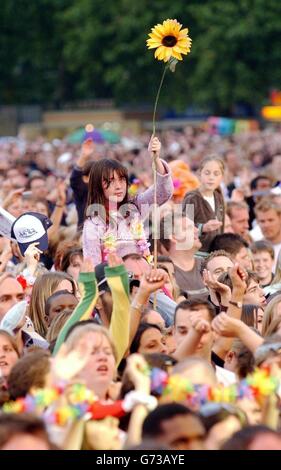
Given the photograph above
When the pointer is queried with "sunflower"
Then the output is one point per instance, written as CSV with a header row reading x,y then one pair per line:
x,y
169,40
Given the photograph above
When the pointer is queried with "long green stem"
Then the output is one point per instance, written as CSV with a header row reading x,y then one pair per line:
x,y
155,235
157,98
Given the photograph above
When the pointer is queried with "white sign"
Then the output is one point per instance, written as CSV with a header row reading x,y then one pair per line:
x,y
6,222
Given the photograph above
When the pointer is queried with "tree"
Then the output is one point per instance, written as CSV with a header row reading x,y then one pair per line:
x,y
236,52
53,51
29,50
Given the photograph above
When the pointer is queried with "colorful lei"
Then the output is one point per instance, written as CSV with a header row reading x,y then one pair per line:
x,y
77,402
109,244
134,188
137,231
258,385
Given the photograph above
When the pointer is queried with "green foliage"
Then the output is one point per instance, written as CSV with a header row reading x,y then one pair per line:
x,y
52,51
236,51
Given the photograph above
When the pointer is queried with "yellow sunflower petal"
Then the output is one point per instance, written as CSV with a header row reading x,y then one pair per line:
x,y
156,32
160,30
168,53
160,53
152,46
176,29
173,23
183,41
171,30
184,32
167,23
183,47
171,26
152,43
180,50
161,39
156,37
176,54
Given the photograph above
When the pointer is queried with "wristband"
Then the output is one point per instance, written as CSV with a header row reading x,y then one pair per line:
x,y
137,306
135,398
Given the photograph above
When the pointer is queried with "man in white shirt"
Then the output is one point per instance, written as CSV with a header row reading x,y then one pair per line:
x,y
268,215
194,336
238,213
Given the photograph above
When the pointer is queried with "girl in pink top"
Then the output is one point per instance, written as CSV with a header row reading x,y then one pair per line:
x,y
113,220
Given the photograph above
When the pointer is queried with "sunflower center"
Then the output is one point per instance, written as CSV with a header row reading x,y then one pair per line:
x,y
169,41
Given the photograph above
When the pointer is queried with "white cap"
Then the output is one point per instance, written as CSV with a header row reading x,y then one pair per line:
x,y
29,228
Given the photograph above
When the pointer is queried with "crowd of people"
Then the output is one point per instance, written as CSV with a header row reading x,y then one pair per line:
x,y
125,326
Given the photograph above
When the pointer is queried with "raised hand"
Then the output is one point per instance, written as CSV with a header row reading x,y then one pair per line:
x,y
87,151
214,284
6,254
32,255
225,325
114,260
238,277
61,193
137,371
67,364
12,197
199,324
154,280
154,147
218,287
87,266
88,148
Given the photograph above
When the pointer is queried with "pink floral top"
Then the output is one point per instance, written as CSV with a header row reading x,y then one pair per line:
x,y
124,232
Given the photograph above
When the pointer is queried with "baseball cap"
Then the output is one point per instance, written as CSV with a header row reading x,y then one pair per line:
x,y
31,227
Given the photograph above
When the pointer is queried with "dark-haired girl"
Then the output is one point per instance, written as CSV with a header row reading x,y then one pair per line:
x,y
113,220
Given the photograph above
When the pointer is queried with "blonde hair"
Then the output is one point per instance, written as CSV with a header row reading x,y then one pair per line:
x,y
80,330
212,158
12,341
56,325
43,288
270,314
273,327
7,275
266,204
215,158
235,205
277,275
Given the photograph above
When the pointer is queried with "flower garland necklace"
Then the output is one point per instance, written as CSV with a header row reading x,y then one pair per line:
x,y
110,240
258,385
81,403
